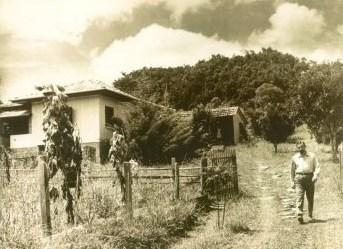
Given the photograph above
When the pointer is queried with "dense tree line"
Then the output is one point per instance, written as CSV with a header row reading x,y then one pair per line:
x,y
233,80
276,90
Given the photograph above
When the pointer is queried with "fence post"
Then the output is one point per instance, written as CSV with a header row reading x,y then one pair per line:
x,y
76,215
235,172
44,196
203,176
173,168
176,179
128,188
340,151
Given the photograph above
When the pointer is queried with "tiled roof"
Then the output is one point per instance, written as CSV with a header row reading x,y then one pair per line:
x,y
224,111
216,112
80,87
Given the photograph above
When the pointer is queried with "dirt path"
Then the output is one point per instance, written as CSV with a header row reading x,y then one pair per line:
x,y
275,225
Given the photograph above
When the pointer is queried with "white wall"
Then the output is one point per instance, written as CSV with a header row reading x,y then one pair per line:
x,y
236,128
86,111
22,141
36,124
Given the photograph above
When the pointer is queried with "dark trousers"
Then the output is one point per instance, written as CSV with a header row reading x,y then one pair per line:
x,y
304,185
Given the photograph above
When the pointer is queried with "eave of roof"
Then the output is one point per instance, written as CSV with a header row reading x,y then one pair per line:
x,y
221,112
9,105
12,114
77,89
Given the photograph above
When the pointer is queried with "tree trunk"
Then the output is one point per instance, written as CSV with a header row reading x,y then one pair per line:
x,y
68,203
121,179
333,142
275,148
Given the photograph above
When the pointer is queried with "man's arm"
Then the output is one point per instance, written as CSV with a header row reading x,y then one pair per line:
x,y
292,172
316,171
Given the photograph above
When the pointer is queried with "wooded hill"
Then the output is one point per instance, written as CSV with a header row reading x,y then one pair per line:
x,y
234,80
276,90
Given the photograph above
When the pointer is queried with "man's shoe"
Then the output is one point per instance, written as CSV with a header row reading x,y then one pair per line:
x,y
310,219
300,220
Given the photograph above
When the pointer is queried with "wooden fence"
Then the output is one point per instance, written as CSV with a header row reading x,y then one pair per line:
x,y
179,176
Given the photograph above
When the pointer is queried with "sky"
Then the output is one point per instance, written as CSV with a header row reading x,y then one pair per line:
x,y
63,41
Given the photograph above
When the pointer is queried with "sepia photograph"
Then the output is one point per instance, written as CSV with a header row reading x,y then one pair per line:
x,y
171,124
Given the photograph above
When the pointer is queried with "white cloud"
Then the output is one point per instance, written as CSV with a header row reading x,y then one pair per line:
x,y
245,1
179,7
66,20
43,36
325,54
157,46
294,28
59,20
26,64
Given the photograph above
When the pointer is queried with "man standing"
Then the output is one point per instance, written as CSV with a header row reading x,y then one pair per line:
x,y
304,173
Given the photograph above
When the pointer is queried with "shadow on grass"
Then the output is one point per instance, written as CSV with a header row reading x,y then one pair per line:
x,y
322,220
239,228
318,221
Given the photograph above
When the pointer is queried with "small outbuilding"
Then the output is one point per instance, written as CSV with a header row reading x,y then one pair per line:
x,y
230,124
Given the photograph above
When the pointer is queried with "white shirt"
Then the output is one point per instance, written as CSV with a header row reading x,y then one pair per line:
x,y
307,163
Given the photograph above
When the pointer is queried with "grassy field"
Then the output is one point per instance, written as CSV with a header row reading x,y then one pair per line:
x,y
260,217
103,223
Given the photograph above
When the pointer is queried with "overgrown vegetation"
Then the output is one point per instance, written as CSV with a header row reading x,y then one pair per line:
x,y
5,162
158,134
158,219
62,143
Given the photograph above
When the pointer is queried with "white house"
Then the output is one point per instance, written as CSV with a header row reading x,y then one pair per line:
x,y
93,104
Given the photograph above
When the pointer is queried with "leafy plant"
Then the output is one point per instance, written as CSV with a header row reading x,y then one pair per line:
x,y
117,155
62,143
4,159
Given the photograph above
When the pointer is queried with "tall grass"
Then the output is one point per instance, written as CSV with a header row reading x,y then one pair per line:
x,y
103,222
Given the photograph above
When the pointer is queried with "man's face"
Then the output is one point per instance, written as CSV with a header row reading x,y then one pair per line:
x,y
302,149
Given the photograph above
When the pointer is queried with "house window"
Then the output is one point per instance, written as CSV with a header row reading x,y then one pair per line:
x,y
109,112
17,126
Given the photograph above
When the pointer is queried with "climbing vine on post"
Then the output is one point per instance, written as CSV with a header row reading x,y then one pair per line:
x,y
217,186
4,159
117,155
62,143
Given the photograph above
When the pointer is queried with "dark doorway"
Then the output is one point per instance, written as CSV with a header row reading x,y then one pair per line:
x,y
225,133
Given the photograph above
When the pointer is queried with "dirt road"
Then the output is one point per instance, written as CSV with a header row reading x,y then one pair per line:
x,y
275,225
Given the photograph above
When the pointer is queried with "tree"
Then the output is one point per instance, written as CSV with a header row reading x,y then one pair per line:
x,y
272,120
320,100
62,143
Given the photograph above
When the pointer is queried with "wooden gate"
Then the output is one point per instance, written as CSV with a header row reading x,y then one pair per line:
x,y
225,158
